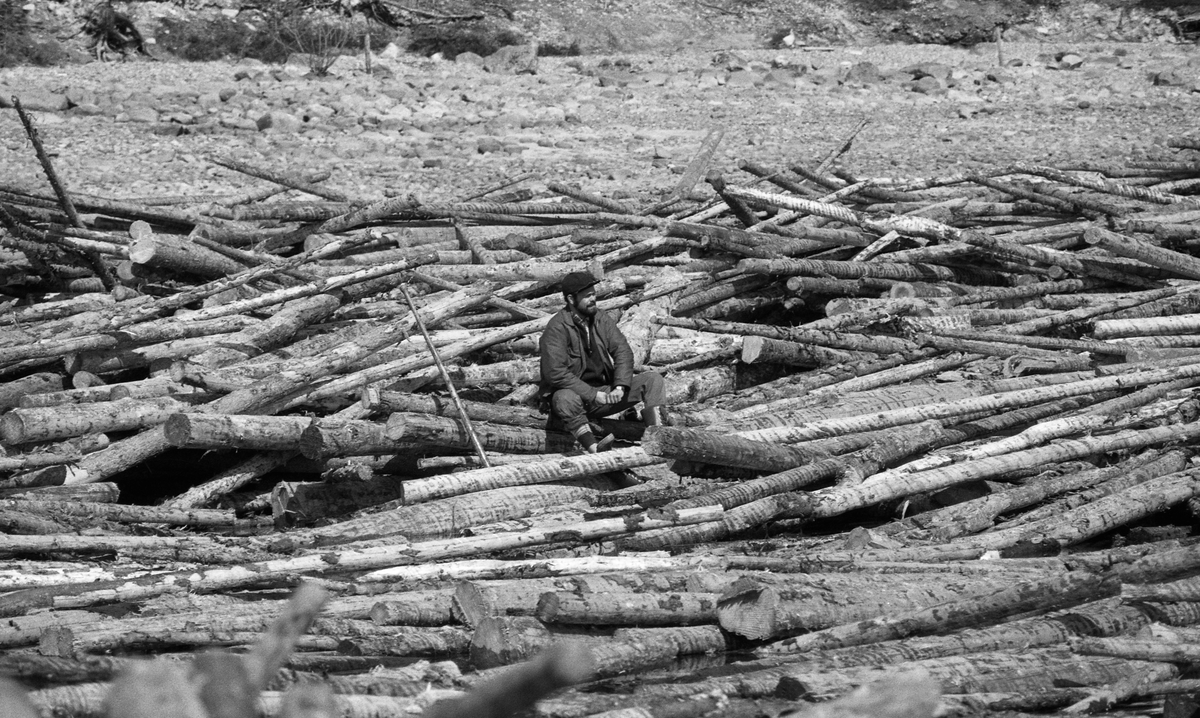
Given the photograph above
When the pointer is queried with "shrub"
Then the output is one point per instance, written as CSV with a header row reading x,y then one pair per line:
x,y
202,40
480,37
17,47
551,49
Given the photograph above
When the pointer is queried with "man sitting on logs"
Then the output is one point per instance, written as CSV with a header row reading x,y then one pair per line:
x,y
587,367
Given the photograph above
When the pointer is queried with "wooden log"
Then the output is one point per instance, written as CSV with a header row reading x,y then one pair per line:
x,y
393,401
1177,263
534,568
435,641
1100,516
1103,699
229,576
323,438
178,254
304,502
235,431
446,431
122,514
979,514
776,351
575,467
842,340
102,492
134,450
762,608
20,426
1149,326
1039,595
11,392
991,402
231,479
415,608
139,389
625,609
445,518
711,447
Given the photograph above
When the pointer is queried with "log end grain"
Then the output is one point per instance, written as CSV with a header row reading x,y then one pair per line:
x,y
749,613
752,348
469,605
503,641
178,429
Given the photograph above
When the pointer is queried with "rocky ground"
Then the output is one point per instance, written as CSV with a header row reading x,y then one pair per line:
x,y
620,124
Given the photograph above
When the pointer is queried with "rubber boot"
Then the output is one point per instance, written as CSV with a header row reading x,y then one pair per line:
x,y
652,416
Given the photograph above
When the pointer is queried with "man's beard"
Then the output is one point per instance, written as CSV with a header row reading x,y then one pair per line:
x,y
587,310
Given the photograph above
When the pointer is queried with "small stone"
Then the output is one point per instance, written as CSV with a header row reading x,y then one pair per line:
x,y
1070,61
928,85
278,121
489,144
227,93
140,114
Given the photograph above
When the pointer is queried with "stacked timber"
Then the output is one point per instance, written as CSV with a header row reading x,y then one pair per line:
x,y
930,445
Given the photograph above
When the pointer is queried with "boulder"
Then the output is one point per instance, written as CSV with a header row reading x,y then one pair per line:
x,y
928,85
469,58
278,121
744,78
513,60
862,73
138,113
36,100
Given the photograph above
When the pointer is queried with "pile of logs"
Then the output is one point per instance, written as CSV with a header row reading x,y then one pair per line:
x,y
935,426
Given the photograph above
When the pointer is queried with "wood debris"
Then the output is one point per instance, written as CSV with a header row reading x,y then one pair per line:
x,y
930,448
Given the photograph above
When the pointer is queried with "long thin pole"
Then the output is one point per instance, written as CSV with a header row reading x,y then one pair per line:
x,y
437,359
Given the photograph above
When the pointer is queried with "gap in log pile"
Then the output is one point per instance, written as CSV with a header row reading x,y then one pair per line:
x,y
940,429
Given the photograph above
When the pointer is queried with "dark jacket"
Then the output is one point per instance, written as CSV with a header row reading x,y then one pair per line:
x,y
564,355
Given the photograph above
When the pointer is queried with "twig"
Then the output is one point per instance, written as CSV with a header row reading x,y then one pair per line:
x,y
437,359
61,192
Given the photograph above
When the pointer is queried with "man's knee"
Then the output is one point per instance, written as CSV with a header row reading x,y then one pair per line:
x,y
653,388
567,404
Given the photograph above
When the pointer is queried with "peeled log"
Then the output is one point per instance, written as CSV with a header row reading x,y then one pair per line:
x,y
433,641
181,255
330,437
449,432
778,351
1042,596
415,608
573,467
1183,265
774,607
19,426
627,609
235,431
711,447
394,401
12,391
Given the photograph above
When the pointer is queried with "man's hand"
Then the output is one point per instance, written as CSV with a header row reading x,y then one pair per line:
x,y
610,397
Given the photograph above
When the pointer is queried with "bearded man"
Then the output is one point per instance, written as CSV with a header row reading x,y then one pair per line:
x,y
587,367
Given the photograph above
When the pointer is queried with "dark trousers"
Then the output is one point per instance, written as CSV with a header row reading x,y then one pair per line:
x,y
570,411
